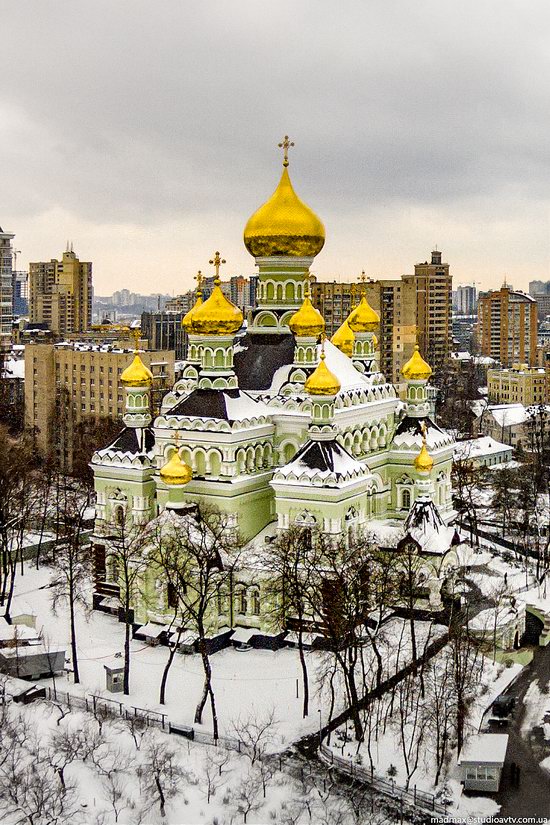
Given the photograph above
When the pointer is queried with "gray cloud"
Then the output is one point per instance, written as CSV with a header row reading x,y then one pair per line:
x,y
413,123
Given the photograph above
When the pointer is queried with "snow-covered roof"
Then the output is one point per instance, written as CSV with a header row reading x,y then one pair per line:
x,y
337,362
476,447
409,434
326,461
224,405
493,617
14,368
485,747
509,415
425,525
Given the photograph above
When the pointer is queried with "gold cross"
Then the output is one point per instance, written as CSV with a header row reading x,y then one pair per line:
x,y
285,146
136,333
307,276
199,279
362,277
217,262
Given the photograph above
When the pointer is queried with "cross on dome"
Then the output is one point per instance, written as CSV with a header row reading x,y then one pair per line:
x,y
199,278
216,262
285,146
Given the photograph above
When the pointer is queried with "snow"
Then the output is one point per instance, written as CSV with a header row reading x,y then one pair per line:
x,y
479,447
485,747
14,368
244,407
152,630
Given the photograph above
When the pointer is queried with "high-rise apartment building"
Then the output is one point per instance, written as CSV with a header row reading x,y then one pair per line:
x,y
6,287
393,300
466,300
507,326
67,384
163,331
539,288
60,294
20,282
433,286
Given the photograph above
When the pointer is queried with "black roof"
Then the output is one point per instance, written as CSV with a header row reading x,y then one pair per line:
x,y
206,404
127,442
410,424
261,357
319,455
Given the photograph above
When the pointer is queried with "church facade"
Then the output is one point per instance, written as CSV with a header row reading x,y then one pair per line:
x,y
275,426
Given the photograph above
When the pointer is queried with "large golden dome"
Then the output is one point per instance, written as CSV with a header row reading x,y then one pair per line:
x,y
175,471
363,318
343,338
217,315
322,381
284,225
308,321
416,369
137,374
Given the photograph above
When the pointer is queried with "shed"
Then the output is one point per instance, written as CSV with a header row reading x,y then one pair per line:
x,y
152,633
114,675
481,761
32,662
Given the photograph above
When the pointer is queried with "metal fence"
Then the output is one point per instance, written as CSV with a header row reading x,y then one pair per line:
x,y
414,797
108,707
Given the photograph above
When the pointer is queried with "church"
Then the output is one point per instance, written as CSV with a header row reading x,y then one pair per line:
x,y
275,425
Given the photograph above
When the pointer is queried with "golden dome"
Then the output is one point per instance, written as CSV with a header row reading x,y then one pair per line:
x,y
175,471
217,315
416,369
322,381
423,461
363,318
308,321
343,338
137,374
187,320
284,225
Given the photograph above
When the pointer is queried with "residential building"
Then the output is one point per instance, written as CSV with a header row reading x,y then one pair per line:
x,y
510,423
466,300
483,451
433,285
180,303
519,384
539,288
543,304
68,383
507,326
163,331
6,287
60,294
20,281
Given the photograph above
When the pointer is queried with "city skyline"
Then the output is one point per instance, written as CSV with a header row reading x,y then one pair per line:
x,y
405,123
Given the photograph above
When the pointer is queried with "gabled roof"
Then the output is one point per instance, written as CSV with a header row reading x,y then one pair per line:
x,y
127,442
409,433
326,460
223,405
425,526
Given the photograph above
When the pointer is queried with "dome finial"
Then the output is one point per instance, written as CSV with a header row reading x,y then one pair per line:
x,y
423,461
216,262
199,278
322,381
285,146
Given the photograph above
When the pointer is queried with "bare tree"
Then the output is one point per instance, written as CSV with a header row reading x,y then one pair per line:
x,y
248,793
198,559
160,775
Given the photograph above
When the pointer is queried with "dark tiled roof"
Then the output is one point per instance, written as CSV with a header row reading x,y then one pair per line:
x,y
320,455
127,442
264,354
205,404
409,424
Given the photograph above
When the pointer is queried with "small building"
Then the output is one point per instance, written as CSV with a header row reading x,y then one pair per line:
x,y
114,675
483,451
501,626
481,761
32,661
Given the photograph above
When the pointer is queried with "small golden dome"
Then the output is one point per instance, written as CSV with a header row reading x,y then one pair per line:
x,y
322,381
343,338
137,374
423,461
363,318
308,321
416,369
175,471
217,315
284,225
187,320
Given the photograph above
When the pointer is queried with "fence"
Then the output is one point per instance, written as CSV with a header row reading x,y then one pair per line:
x,y
415,798
109,707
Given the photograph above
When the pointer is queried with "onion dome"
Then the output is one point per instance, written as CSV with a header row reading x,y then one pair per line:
x,y
322,381
175,471
343,338
423,461
217,315
416,369
187,320
363,318
308,321
137,374
284,225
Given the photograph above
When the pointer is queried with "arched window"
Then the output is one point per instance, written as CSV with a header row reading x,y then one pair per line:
x,y
406,499
242,604
119,516
255,601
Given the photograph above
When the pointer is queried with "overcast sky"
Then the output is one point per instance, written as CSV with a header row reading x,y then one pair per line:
x,y
146,132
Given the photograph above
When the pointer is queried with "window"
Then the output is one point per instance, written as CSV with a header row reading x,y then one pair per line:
x,y
242,604
405,499
255,602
